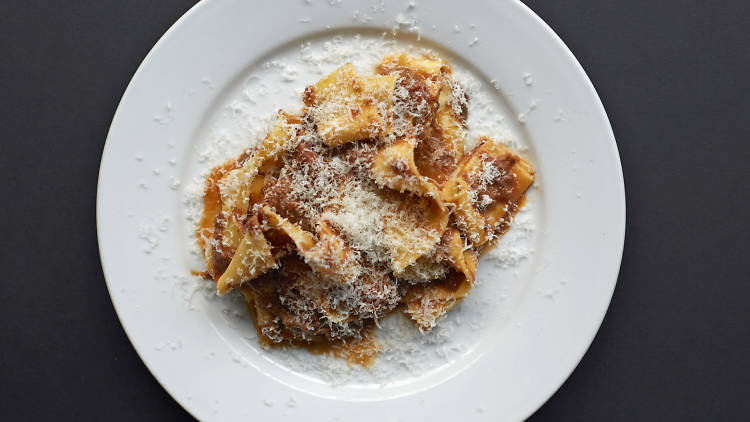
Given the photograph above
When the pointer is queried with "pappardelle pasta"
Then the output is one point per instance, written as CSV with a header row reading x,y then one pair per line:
x,y
363,204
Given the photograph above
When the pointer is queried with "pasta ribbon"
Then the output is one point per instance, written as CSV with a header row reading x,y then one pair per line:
x,y
394,167
252,259
304,241
413,229
346,107
426,303
487,190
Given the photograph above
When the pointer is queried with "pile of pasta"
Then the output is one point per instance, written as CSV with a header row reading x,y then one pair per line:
x,y
363,203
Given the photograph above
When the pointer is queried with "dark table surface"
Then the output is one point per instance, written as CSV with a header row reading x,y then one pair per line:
x,y
673,76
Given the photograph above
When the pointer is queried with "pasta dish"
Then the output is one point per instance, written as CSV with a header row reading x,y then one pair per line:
x,y
363,204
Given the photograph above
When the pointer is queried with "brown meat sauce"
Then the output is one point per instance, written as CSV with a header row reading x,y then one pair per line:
x,y
503,188
433,157
278,192
301,303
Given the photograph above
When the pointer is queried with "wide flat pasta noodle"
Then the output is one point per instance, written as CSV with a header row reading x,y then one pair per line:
x,y
212,207
440,133
327,254
461,257
252,259
430,67
451,124
491,169
424,270
332,257
413,230
304,241
393,167
259,301
441,146
426,303
346,106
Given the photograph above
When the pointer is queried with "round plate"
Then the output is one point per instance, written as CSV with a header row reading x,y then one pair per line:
x,y
500,354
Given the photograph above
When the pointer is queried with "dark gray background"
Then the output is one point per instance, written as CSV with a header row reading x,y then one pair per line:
x,y
673,76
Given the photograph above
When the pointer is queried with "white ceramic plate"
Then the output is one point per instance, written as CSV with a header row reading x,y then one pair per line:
x,y
199,95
